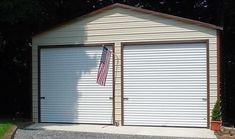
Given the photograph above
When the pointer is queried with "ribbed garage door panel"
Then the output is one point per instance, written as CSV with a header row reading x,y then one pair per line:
x,y
166,85
68,83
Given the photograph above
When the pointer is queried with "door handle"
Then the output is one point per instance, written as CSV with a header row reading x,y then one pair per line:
x,y
204,99
110,98
42,97
125,98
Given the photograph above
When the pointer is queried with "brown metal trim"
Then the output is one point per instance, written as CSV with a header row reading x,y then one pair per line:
x,y
76,45
113,47
169,42
122,85
39,84
155,13
208,83
77,123
218,66
118,5
31,84
69,46
167,126
163,42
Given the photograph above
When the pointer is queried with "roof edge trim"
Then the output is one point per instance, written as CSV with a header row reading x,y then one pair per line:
x,y
146,11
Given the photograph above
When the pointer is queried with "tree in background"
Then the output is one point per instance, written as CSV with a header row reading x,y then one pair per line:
x,y
228,63
16,25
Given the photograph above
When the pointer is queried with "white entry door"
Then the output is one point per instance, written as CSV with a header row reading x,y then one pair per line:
x,y
68,89
165,85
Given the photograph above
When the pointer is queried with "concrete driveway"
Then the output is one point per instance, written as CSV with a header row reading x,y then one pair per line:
x,y
76,131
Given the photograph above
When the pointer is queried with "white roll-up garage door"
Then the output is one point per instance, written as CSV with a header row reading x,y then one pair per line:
x,y
68,88
165,85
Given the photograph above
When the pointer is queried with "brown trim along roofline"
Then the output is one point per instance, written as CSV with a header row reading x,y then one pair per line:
x,y
155,13
69,46
206,41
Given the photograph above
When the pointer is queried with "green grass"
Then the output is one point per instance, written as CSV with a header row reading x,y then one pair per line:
x,y
4,126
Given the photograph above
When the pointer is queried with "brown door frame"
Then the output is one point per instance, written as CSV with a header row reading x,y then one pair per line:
x,y
69,46
129,44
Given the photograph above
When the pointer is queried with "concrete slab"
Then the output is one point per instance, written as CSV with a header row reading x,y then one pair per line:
x,y
128,130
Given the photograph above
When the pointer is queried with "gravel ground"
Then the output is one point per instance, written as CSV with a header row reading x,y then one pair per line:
x,y
49,134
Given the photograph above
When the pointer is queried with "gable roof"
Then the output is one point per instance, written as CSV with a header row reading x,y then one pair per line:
x,y
159,14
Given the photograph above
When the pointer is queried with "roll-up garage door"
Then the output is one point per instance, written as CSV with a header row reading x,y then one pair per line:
x,y
68,89
165,85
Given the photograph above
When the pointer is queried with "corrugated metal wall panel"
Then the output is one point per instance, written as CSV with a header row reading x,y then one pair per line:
x,y
94,29
166,85
68,83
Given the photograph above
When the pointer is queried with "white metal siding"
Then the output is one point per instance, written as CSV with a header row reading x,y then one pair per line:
x,y
166,85
122,25
68,83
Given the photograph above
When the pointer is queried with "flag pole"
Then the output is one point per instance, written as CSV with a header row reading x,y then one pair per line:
x,y
114,54
118,59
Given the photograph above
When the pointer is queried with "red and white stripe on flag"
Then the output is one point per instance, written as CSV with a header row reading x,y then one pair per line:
x,y
104,66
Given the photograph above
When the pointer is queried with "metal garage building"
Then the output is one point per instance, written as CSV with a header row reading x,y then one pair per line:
x,y
164,71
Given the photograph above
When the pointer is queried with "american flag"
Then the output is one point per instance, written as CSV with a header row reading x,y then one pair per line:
x,y
104,66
